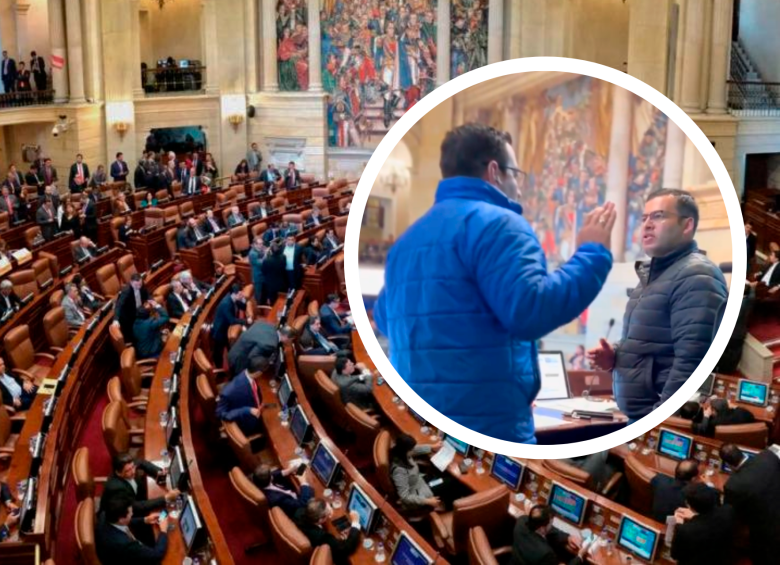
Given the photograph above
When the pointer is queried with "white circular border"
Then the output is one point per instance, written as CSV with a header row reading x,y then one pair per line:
x,y
397,132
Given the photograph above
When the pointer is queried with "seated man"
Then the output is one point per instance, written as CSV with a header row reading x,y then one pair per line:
x,y
179,300
668,491
84,250
721,412
704,529
192,285
8,298
12,512
355,387
331,240
235,218
332,322
73,307
312,520
211,223
115,543
767,281
240,401
17,392
279,490
89,299
148,330
313,342
537,542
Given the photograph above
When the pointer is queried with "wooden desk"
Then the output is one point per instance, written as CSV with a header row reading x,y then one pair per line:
x,y
322,280
149,247
199,260
60,248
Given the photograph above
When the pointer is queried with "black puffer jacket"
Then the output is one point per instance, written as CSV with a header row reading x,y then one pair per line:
x,y
670,321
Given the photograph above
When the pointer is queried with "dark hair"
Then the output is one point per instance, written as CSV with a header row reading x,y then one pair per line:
x,y
79,155
399,453
538,517
312,320
686,204
119,154
731,455
686,470
333,297
690,410
258,364
341,362
235,288
121,460
117,508
776,253
76,279
701,498
720,405
262,476
467,150
315,510
135,277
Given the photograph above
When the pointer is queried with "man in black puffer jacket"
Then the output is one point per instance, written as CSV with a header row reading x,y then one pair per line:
x,y
673,314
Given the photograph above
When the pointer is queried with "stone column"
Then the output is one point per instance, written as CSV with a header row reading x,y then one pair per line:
x,y
515,27
617,167
93,56
23,46
135,34
210,45
443,42
270,78
720,56
648,30
693,53
495,31
675,156
250,45
59,78
315,51
75,63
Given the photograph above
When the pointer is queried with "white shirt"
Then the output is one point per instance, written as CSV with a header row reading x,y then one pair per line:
x,y
184,303
137,294
768,276
289,254
12,386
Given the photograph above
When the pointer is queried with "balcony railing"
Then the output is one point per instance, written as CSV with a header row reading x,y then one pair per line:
x,y
754,98
18,99
163,80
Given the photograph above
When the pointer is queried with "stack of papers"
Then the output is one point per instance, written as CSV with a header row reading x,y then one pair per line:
x,y
569,405
442,459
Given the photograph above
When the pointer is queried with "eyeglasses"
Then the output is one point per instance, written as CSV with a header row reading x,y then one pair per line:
x,y
660,216
515,172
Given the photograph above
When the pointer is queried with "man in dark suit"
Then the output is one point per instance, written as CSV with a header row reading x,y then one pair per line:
x,y
314,219
270,175
235,218
241,401
355,386
131,299
720,412
49,172
211,223
79,175
9,203
292,177
8,298
750,242
332,321
226,316
197,234
293,262
261,339
16,392
330,241
536,541
129,479
178,300
8,68
668,491
190,182
197,165
271,234
704,529
119,169
84,250
185,238
148,330
90,214
279,490
13,182
274,273
770,275
311,521
46,218
115,543
313,342
34,178
38,70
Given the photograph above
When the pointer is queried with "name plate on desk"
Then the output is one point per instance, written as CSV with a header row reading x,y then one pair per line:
x,y
22,255
5,265
48,386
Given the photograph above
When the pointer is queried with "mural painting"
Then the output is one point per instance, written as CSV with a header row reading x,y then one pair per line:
x,y
468,36
292,50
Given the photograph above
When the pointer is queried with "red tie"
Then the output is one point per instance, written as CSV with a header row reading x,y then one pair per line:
x,y
8,203
254,391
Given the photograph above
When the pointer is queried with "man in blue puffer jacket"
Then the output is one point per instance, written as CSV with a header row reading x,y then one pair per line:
x,y
467,292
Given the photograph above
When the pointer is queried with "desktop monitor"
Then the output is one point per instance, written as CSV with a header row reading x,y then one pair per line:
x,y
675,445
190,523
173,393
460,446
638,539
507,470
27,510
172,430
753,392
366,509
324,464
748,453
178,471
286,392
706,387
299,426
567,503
555,380
184,63
407,552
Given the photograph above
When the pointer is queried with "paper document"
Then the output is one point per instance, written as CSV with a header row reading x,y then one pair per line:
x,y
569,405
541,421
442,459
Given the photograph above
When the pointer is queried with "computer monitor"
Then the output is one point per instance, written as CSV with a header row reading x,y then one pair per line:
x,y
407,552
567,504
172,430
638,539
460,446
366,509
324,464
184,63
173,393
555,380
27,510
706,387
753,392
675,445
748,453
189,523
299,426
178,470
507,470
286,392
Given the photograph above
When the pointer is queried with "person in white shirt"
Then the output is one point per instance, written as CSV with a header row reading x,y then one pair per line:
x,y
17,393
769,277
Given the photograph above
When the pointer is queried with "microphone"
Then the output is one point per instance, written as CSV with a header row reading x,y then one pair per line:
x,y
611,325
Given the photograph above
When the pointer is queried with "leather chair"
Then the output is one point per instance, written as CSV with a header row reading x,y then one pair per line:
x,y
319,192
170,241
5,222
22,356
225,213
160,294
125,266
241,445
226,197
753,435
171,215
278,202
343,201
638,477
42,271
331,397
292,545
256,500
55,298
132,412
138,197
251,207
24,282
162,196
294,220
108,281
118,435
115,223
31,235
488,508
7,439
186,209
176,189
678,423
85,531
258,230
313,309
154,217
240,192
81,471
308,365
216,377
365,426
340,226
239,239
307,178
322,555
381,450
583,478
135,374
340,274
207,399
223,255
117,339
481,552
56,329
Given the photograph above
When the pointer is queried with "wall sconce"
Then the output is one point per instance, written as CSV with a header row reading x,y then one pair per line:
x,y
121,128
235,120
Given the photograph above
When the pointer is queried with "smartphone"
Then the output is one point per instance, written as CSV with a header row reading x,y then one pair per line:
x,y
341,524
435,482
163,516
301,469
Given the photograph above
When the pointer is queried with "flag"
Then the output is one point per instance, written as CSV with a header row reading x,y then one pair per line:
x,y
57,62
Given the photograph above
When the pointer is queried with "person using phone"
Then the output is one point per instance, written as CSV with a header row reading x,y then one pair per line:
x,y
279,490
311,520
116,544
535,540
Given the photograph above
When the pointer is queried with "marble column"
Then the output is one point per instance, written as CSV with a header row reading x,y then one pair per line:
x,y
514,42
443,42
22,44
617,167
693,53
135,34
648,31
75,63
495,31
93,56
315,51
59,77
270,78
720,55
250,45
675,156
210,45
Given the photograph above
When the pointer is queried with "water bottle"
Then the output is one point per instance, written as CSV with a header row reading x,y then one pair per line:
x,y
284,416
379,557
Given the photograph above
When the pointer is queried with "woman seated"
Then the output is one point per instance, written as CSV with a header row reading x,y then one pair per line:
x,y
242,170
71,221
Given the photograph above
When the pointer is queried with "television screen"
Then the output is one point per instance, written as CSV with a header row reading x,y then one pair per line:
x,y
567,504
407,552
674,445
753,392
637,538
460,446
507,470
299,425
324,464
189,522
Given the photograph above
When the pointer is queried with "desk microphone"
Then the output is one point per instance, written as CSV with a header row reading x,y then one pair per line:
x,y
609,329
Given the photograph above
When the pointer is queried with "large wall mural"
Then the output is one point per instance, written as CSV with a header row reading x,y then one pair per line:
x,y
379,59
292,49
468,36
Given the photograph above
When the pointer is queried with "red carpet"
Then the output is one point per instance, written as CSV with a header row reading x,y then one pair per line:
x,y
765,328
